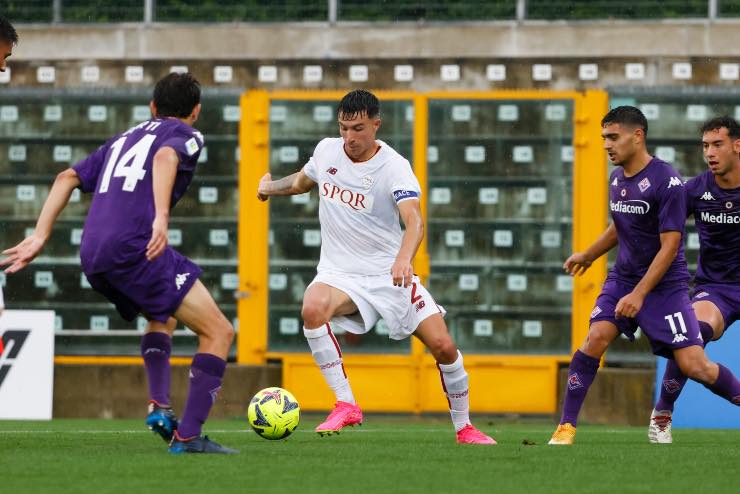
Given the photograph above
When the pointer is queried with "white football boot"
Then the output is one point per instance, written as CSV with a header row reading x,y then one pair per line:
x,y
659,431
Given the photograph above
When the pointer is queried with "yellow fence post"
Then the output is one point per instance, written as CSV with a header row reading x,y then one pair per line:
x,y
589,204
252,308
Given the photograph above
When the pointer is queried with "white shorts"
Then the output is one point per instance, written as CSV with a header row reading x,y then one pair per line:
x,y
403,309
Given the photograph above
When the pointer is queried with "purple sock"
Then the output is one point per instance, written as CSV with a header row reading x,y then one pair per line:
x,y
581,374
206,374
673,378
155,349
727,386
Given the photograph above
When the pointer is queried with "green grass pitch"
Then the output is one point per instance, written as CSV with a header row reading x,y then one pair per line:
x,y
386,455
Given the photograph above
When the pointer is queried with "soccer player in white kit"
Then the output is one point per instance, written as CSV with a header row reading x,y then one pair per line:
x,y
365,269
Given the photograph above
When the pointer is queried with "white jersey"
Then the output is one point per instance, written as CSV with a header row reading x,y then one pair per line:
x,y
358,207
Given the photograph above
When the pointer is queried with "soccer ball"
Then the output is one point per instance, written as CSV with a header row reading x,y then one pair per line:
x,y
273,413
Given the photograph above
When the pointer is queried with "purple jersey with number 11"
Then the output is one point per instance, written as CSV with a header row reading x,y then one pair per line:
x,y
119,173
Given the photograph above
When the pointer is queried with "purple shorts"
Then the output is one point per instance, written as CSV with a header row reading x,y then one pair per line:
x,y
155,288
725,297
666,317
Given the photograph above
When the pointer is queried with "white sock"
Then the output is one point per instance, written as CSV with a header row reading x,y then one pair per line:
x,y
328,356
455,383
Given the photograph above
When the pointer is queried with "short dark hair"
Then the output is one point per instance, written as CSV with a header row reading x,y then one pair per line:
x,y
357,102
175,95
725,121
626,115
7,31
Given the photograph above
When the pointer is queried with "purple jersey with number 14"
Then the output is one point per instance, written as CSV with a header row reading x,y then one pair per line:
x,y
119,173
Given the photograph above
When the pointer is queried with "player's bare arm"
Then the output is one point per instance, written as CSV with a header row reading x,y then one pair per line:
x,y
630,304
21,255
410,212
164,171
297,183
579,262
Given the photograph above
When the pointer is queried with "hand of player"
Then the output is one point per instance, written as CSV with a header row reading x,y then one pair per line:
x,y
577,264
262,193
158,242
629,305
402,272
21,255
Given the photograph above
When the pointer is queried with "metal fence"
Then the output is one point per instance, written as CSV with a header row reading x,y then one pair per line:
x,y
97,11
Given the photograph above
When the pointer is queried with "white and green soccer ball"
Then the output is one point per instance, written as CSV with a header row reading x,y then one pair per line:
x,y
273,413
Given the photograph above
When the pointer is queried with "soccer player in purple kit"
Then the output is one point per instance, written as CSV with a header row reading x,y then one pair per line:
x,y
713,198
136,178
648,285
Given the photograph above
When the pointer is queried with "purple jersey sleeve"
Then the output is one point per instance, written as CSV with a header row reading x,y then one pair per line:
x,y
672,205
187,145
89,168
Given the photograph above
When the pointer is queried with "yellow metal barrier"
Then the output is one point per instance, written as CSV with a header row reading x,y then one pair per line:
x,y
410,382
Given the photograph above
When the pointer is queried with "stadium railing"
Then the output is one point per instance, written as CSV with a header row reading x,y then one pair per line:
x,y
82,11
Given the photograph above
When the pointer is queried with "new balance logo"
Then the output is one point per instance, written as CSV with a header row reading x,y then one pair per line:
x,y
180,279
679,338
675,182
332,171
12,342
707,196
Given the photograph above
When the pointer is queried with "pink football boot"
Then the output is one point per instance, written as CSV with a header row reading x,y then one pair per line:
x,y
344,414
471,435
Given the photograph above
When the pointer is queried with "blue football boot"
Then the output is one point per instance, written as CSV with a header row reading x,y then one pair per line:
x,y
198,444
162,420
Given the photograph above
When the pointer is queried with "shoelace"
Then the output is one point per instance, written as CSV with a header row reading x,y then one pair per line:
x,y
662,421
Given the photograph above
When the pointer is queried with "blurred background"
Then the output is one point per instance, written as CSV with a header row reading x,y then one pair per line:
x,y
496,103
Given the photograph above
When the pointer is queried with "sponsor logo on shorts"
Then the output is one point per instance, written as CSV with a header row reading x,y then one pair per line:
x,y
420,306
707,196
574,382
675,182
596,311
701,295
644,184
679,338
180,279
632,206
671,385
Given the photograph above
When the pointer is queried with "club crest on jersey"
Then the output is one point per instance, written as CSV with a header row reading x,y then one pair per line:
x,y
574,382
332,171
644,184
728,205
707,196
623,193
367,181
345,197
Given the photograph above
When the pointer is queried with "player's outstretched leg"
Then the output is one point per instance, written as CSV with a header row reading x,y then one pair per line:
x,y
673,382
321,302
433,332
715,377
199,312
581,374
156,345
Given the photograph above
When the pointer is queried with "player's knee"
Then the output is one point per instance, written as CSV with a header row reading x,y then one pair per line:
x,y
315,314
595,344
223,331
444,350
697,369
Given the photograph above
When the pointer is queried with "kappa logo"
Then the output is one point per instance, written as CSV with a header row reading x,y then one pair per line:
x,y
180,279
11,344
214,393
332,171
707,196
671,385
574,382
596,311
615,182
679,338
701,295
675,182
